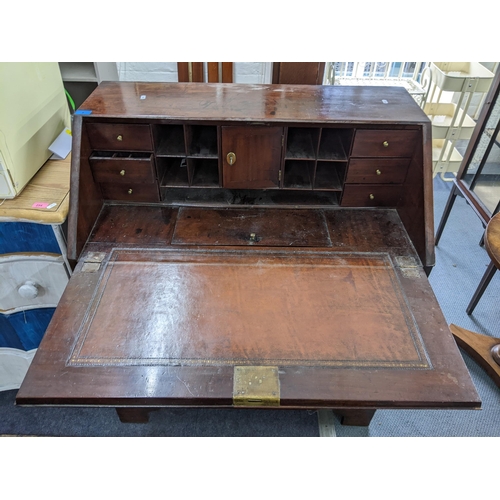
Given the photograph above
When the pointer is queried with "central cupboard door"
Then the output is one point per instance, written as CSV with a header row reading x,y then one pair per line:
x,y
251,157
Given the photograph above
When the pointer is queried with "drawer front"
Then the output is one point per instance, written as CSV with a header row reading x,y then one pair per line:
x,y
130,170
377,171
130,192
22,331
384,143
27,237
363,195
29,281
119,137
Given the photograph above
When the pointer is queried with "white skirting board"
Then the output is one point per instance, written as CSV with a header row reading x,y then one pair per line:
x,y
14,364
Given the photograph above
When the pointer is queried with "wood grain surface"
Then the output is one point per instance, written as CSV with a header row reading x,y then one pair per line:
x,y
243,102
352,328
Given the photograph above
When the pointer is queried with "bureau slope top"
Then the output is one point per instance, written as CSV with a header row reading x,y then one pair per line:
x,y
319,104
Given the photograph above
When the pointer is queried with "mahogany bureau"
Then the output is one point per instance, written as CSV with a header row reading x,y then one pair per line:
x,y
250,246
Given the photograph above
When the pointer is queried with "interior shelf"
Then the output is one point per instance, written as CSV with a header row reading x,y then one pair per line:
x,y
202,141
334,144
205,172
173,172
169,140
329,176
298,174
302,143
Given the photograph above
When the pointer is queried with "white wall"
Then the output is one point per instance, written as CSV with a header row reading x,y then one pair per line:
x,y
243,72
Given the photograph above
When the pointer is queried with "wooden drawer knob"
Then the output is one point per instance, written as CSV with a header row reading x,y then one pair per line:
x,y
385,144
119,138
29,290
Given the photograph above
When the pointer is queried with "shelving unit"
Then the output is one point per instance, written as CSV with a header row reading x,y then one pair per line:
x,y
187,155
316,158
451,122
81,78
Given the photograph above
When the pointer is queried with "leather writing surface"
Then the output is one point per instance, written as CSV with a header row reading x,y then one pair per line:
x,y
219,308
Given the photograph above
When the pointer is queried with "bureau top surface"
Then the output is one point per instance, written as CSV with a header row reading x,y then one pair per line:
x,y
250,103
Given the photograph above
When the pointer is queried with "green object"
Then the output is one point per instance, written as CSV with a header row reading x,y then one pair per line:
x,y
72,103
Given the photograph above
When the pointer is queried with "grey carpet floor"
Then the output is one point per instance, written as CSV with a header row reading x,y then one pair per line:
x,y
460,264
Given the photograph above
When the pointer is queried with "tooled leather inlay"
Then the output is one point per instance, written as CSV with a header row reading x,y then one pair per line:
x,y
241,307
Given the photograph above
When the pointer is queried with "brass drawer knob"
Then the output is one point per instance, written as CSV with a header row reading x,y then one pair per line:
x,y
129,191
119,138
122,172
231,158
378,172
372,197
385,144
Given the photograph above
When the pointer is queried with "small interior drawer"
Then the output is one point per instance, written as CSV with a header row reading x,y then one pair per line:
x,y
377,171
380,195
130,192
384,143
135,168
119,137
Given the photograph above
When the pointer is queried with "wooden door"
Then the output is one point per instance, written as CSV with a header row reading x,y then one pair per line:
x,y
251,157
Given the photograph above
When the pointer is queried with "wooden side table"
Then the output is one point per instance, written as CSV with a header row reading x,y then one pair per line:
x,y
34,269
483,348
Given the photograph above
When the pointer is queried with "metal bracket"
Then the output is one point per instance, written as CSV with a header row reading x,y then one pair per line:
x,y
256,386
92,262
409,266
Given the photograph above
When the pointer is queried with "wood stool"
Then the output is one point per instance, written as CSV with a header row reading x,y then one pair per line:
x,y
492,245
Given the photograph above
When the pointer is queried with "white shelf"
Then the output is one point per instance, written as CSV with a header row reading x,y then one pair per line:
x,y
78,71
88,71
448,104
448,122
451,159
457,76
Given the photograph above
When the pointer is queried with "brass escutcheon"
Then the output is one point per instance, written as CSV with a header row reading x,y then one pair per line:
x,y
231,158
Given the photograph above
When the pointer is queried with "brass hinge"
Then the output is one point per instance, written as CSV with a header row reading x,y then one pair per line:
x,y
279,175
256,386
92,262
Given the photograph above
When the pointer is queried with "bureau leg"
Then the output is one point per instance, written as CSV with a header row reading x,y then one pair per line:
x,y
134,415
355,417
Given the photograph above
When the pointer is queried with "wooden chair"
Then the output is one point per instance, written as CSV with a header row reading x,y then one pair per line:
x,y
298,73
216,72
492,245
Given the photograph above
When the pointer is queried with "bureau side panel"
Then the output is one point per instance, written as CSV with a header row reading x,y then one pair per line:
x,y
416,204
85,196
